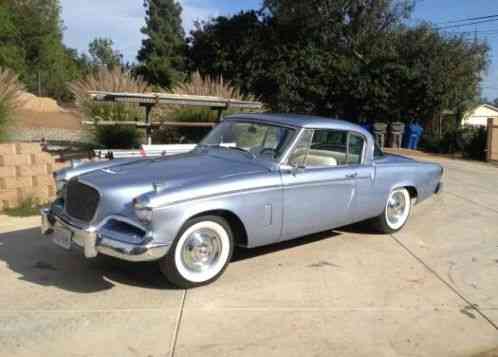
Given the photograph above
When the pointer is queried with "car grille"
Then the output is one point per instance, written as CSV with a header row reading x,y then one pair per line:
x,y
81,201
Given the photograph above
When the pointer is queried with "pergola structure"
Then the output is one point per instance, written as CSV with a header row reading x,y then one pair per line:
x,y
150,100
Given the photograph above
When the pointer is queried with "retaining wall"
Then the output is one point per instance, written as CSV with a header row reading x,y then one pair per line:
x,y
25,172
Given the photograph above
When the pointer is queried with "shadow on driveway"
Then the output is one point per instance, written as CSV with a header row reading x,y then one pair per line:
x,y
37,260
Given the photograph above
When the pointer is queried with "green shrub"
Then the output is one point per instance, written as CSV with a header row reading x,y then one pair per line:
x,y
470,141
117,136
474,141
27,208
111,80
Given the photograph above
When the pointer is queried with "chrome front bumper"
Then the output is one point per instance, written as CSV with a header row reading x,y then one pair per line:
x,y
95,242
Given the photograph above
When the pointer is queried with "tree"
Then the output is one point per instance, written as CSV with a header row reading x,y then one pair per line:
x,y
162,56
11,54
225,45
31,36
102,53
355,59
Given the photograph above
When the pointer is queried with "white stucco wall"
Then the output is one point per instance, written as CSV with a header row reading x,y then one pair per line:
x,y
479,116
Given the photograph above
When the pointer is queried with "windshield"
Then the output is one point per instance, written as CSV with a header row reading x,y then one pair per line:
x,y
259,140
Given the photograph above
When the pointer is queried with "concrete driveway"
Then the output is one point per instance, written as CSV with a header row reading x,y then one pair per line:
x,y
431,290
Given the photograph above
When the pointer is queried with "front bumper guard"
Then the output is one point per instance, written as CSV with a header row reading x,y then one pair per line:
x,y
95,242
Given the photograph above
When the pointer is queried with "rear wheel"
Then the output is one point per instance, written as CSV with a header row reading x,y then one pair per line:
x,y
396,212
200,253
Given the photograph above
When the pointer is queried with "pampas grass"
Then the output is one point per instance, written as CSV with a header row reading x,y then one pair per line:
x,y
110,80
107,80
11,90
211,86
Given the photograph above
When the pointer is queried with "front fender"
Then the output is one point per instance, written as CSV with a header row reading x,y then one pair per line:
x,y
259,210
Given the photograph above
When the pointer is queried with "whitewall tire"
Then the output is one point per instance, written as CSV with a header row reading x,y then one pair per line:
x,y
396,211
200,253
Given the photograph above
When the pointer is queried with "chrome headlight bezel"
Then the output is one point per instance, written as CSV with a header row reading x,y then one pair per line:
x,y
60,186
142,210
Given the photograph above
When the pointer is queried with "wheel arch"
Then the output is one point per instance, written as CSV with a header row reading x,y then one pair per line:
x,y
237,226
410,186
412,190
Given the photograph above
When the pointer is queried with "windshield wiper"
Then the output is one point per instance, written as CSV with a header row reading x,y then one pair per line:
x,y
225,147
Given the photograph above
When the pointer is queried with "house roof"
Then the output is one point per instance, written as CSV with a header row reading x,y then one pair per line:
x,y
482,106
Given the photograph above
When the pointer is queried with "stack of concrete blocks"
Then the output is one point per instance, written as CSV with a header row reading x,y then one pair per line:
x,y
25,173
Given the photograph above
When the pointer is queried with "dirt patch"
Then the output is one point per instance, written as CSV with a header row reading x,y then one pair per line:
x,y
38,104
60,120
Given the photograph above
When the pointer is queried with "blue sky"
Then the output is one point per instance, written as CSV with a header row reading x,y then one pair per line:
x,y
121,20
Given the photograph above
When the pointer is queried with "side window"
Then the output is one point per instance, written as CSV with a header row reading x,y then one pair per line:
x,y
300,151
321,148
328,148
355,149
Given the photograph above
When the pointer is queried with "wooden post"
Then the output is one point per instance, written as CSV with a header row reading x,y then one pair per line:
x,y
489,148
148,126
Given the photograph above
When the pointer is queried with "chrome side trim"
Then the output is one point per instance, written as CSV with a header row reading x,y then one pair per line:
x,y
219,195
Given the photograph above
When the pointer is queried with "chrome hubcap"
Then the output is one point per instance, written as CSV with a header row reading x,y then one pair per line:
x,y
396,208
201,250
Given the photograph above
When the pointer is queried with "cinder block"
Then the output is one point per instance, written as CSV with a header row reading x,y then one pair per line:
x,y
15,160
52,192
9,195
8,204
42,158
7,171
7,149
39,194
28,148
33,170
10,183
43,181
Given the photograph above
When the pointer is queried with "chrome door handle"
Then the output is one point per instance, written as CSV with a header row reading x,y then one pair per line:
x,y
351,176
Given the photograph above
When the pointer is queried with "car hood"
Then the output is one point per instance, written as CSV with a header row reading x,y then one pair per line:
x,y
119,184
172,171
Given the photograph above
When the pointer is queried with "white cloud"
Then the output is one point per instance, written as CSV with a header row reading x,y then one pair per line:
x,y
122,20
87,20
192,11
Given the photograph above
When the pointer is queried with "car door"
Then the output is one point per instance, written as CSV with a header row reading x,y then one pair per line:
x,y
365,195
318,183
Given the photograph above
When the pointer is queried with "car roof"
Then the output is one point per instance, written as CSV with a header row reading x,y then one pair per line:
x,y
299,121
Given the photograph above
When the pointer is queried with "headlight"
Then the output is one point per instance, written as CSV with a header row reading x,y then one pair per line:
x,y
76,163
143,212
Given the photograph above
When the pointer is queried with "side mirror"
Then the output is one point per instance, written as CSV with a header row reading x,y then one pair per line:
x,y
292,169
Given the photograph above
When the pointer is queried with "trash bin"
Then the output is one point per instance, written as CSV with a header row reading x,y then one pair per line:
x,y
397,130
380,134
418,135
414,134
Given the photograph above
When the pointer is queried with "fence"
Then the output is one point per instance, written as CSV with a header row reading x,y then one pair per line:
x,y
492,154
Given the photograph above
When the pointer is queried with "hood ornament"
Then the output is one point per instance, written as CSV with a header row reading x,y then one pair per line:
x,y
109,171
156,186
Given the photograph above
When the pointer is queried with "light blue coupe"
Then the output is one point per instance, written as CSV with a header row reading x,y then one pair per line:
x,y
256,179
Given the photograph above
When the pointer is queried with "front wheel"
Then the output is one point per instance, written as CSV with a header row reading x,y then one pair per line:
x,y
396,212
200,253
